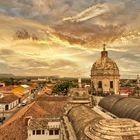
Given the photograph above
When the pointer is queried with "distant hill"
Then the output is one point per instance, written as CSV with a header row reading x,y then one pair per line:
x,y
6,75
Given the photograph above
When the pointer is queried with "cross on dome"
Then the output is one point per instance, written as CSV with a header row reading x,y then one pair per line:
x,y
104,47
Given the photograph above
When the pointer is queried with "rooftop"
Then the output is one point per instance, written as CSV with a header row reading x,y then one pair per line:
x,y
113,129
81,116
8,98
19,90
6,88
16,127
122,107
40,123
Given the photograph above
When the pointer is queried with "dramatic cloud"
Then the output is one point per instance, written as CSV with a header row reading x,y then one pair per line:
x,y
91,12
6,52
37,38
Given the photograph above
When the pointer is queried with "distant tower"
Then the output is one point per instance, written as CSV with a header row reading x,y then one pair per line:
x,y
79,82
105,75
138,86
138,80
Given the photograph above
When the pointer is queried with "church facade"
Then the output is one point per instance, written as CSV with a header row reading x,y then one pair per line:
x,y
105,75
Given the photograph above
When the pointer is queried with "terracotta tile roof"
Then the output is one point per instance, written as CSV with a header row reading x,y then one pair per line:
x,y
15,127
6,88
35,111
19,90
19,95
17,116
38,109
126,90
8,98
38,123
45,97
52,108
41,123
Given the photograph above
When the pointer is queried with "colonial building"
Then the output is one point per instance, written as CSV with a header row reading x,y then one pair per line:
x,y
44,129
105,75
54,118
37,120
8,101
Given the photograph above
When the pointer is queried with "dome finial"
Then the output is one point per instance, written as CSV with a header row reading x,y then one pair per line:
x,y
104,53
104,45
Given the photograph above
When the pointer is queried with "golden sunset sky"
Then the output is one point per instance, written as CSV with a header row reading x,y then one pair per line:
x,y
65,37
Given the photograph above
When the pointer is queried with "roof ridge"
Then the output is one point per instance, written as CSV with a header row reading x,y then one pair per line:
x,y
36,104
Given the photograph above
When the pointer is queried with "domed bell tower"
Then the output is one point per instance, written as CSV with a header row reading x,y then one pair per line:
x,y
105,75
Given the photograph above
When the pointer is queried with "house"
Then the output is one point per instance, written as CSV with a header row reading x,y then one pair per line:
x,y
45,107
6,88
2,84
22,91
126,91
8,101
48,89
44,129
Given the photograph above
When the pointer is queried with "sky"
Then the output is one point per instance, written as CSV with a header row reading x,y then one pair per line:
x,y
65,37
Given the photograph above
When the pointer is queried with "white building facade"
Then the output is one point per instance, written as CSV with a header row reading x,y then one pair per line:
x,y
8,101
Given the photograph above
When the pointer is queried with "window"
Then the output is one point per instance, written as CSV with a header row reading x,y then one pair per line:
x,y
38,132
33,132
111,84
50,132
56,132
100,84
43,132
6,107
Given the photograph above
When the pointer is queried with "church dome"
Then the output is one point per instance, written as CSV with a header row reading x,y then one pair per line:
x,y
104,66
113,129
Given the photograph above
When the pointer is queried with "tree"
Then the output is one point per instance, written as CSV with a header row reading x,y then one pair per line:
x,y
62,88
9,82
